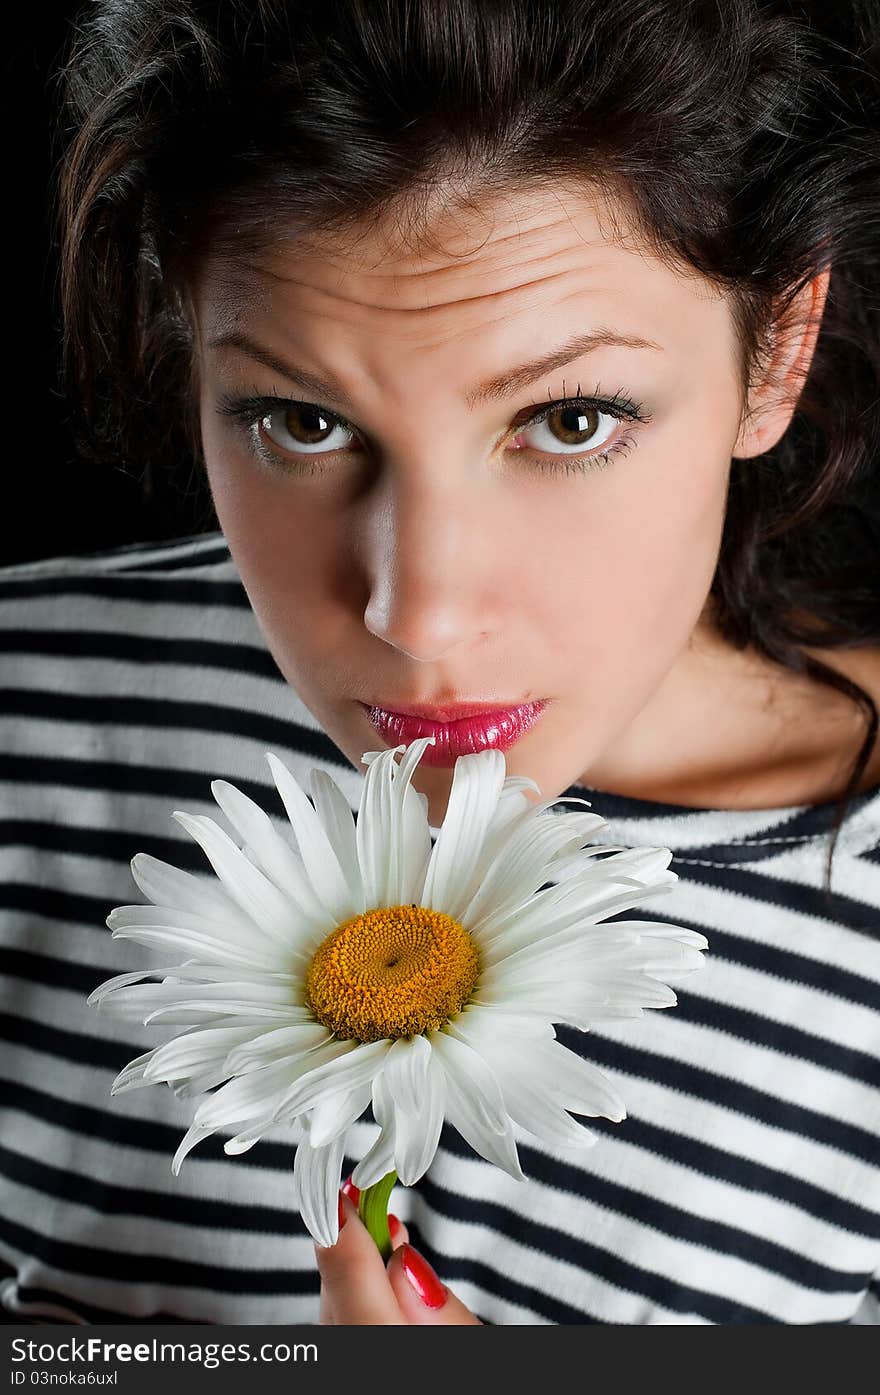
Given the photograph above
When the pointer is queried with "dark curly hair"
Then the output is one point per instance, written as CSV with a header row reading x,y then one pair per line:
x,y
743,134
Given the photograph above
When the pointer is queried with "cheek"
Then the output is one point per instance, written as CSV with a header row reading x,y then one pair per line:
x,y
635,553
283,541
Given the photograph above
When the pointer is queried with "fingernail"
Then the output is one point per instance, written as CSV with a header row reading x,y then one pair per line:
x,y
351,1191
342,1215
393,1225
422,1277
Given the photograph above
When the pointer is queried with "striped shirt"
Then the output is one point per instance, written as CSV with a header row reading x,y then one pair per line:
x,y
743,1186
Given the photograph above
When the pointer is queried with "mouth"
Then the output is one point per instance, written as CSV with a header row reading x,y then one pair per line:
x,y
458,729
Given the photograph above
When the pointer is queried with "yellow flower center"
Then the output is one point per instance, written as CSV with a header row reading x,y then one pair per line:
x,y
393,972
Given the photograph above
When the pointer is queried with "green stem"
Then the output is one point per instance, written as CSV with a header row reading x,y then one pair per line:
x,y
373,1211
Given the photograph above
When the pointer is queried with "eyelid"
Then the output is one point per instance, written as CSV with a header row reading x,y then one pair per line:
x,y
258,405
617,406
250,409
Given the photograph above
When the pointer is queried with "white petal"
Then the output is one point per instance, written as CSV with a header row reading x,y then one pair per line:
x,y
531,1108
189,941
199,1084
262,1089
474,1103
193,1135
194,1052
417,1133
558,1073
646,928
580,955
112,985
573,949
274,857
406,1071
317,852
588,899
609,987
568,865
578,1084
246,1097
358,1065
502,930
219,973
190,1003
464,1115
520,867
457,855
512,805
579,1007
201,936
471,1071
334,1115
245,1140
131,1077
379,1161
288,1041
165,885
375,852
257,895
409,833
484,1027
255,1130
317,1174
336,815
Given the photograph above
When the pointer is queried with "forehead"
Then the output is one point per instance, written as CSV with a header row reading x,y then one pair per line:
x,y
462,266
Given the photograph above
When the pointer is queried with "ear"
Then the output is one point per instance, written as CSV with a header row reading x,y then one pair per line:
x,y
773,400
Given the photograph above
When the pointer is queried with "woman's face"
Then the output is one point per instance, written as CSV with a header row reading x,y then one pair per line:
x,y
411,535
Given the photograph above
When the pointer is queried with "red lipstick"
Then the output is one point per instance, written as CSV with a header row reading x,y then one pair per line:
x,y
458,730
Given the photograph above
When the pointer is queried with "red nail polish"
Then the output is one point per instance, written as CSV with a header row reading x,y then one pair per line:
x,y
393,1225
422,1277
342,1215
351,1191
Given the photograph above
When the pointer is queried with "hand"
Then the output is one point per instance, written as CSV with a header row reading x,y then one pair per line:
x,y
357,1288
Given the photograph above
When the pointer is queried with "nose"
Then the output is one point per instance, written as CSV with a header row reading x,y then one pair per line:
x,y
431,568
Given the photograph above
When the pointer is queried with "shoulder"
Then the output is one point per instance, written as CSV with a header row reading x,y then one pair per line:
x,y
154,559
130,588
80,632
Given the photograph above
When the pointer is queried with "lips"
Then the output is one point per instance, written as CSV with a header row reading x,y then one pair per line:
x,y
458,730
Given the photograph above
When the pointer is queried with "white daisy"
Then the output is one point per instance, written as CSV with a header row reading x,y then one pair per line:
x,y
358,964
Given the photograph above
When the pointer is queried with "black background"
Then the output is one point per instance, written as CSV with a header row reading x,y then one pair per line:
x,y
54,503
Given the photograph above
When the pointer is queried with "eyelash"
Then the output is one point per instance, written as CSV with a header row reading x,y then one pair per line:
x,y
247,411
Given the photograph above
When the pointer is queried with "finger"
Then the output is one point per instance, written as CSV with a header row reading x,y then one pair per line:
x,y
353,1275
398,1231
420,1294
399,1236
325,1312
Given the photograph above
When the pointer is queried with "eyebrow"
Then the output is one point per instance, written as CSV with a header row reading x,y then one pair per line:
x,y
501,386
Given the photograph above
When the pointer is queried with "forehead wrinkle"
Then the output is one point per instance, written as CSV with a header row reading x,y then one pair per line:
x,y
464,267
437,307
428,245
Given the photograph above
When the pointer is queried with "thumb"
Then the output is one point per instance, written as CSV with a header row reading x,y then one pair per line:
x,y
422,1297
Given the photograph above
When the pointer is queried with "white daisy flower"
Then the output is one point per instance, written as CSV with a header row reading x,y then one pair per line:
x,y
356,964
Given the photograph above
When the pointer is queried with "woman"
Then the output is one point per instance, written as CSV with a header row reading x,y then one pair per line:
x,y
530,354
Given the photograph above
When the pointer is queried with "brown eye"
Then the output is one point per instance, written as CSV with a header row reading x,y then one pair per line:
x,y
573,426
301,428
308,424
567,429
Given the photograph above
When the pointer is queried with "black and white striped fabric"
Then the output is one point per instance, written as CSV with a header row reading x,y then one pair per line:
x,y
744,1185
